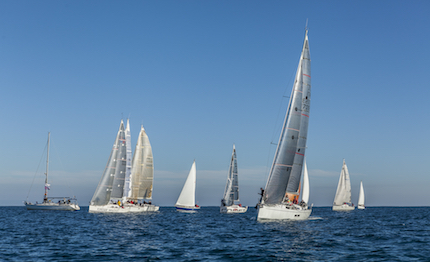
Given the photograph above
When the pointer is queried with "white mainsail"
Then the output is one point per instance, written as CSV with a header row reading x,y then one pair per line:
x,y
188,193
142,168
361,196
127,179
343,192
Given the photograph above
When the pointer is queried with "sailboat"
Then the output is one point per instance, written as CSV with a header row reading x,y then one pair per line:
x,y
342,199
187,199
361,197
53,203
126,184
279,199
230,200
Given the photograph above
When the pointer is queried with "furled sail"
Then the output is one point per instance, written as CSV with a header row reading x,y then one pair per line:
x,y
103,192
188,193
286,170
142,168
343,192
231,192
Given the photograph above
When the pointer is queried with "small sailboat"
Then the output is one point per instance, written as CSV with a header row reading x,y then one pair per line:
x,y
126,184
342,199
187,199
279,199
361,197
53,203
230,200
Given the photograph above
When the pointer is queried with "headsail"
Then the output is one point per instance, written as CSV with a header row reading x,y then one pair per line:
x,y
142,168
361,195
343,192
103,192
305,192
286,170
231,192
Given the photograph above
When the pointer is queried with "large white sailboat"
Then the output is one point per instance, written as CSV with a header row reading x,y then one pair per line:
x,y
230,200
361,197
279,199
53,203
126,185
342,199
187,199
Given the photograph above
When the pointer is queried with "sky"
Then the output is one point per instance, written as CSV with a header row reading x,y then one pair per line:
x,y
201,76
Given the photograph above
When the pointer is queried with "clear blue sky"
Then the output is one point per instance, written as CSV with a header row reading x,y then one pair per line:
x,y
204,75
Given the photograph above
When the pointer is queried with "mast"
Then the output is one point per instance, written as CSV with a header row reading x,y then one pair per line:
x,y
46,173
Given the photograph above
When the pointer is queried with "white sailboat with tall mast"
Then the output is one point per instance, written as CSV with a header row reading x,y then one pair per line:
x,y
187,199
53,203
342,199
126,184
230,201
361,197
279,199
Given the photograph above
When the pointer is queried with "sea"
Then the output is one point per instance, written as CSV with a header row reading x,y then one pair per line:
x,y
373,234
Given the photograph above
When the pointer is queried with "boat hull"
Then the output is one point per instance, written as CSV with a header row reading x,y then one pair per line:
x,y
343,208
113,208
283,212
187,209
233,209
52,206
361,207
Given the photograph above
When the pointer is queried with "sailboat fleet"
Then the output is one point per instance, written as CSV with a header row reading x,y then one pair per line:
x,y
126,184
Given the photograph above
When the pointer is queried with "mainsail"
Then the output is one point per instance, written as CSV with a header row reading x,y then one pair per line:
x,y
127,182
142,168
343,192
104,189
188,193
231,192
286,170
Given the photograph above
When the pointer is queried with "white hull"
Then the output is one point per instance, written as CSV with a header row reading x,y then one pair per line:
x,y
360,207
283,211
187,209
343,208
52,206
233,209
113,208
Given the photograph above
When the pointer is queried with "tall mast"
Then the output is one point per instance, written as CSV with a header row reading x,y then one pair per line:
x,y
46,173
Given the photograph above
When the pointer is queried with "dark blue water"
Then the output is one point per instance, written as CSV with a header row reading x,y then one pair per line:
x,y
374,234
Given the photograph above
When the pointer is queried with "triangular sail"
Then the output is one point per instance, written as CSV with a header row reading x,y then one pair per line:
x,y
305,192
343,192
103,192
286,170
121,165
361,195
127,182
142,168
231,192
187,196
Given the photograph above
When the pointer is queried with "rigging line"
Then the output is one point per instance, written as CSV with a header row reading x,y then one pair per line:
x,y
34,177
